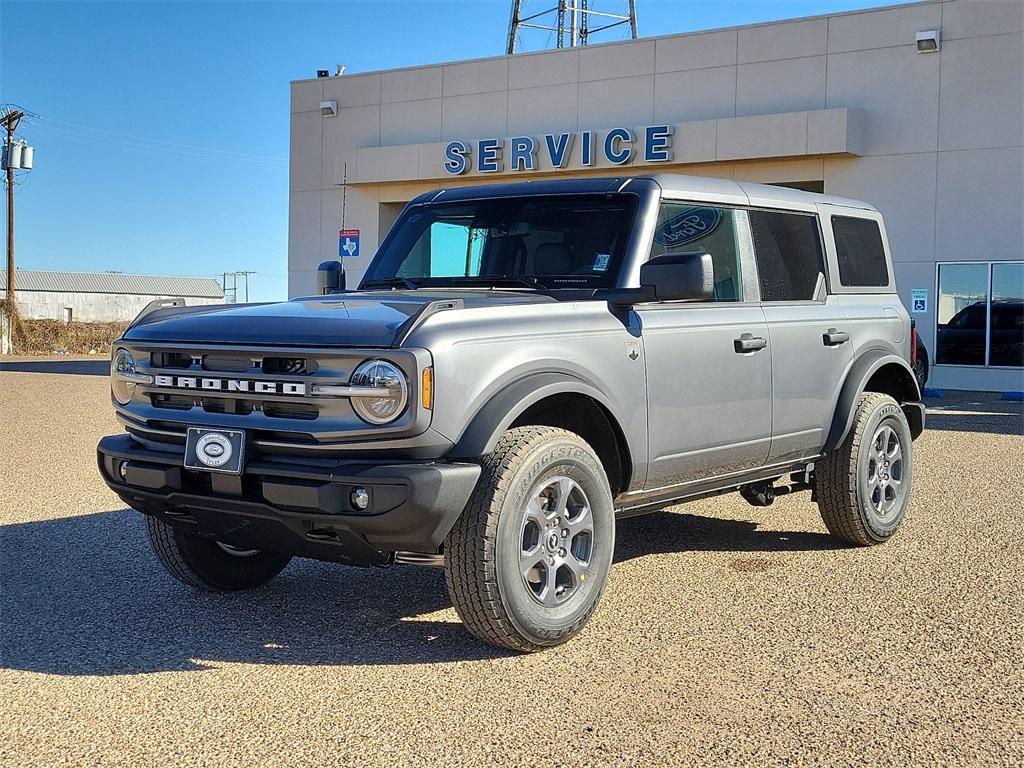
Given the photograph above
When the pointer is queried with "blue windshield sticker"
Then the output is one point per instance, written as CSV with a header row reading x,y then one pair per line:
x,y
601,262
688,225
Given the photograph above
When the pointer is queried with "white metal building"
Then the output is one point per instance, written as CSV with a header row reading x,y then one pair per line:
x,y
846,104
101,297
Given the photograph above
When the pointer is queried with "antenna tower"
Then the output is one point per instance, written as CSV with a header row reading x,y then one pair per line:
x,y
570,20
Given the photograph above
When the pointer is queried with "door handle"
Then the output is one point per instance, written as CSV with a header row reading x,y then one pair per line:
x,y
747,342
833,337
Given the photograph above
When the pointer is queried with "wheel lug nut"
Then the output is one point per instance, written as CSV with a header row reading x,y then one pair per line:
x,y
561,552
565,532
551,561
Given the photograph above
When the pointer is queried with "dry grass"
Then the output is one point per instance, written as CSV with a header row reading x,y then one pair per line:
x,y
48,337
52,336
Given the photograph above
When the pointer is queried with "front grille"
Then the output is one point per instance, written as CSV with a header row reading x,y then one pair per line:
x,y
174,402
175,360
286,419
252,363
302,411
237,406
289,366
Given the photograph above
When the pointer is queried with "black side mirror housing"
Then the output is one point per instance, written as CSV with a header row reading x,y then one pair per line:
x,y
330,277
679,277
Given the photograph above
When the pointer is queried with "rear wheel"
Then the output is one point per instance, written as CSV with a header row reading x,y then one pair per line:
x,y
527,561
208,564
921,365
864,485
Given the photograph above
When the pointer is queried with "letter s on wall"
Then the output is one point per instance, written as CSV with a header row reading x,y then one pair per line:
x,y
456,158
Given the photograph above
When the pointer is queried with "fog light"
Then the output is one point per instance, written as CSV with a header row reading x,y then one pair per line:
x,y
359,498
122,470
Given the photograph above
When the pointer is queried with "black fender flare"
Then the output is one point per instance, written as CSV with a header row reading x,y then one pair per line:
x,y
491,421
856,380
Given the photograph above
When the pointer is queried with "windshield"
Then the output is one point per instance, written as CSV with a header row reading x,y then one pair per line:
x,y
564,241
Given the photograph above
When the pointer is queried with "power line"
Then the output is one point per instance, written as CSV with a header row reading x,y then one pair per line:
x,y
162,141
165,152
165,207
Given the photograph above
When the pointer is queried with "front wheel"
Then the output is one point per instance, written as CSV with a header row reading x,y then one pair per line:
x,y
864,485
209,564
527,561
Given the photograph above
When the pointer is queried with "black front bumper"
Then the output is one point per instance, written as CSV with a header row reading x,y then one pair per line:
x,y
302,509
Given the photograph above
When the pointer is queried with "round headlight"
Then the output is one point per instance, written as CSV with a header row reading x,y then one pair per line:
x,y
380,374
122,363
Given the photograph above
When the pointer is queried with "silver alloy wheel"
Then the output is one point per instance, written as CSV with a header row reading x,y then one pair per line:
x,y
883,485
231,549
556,540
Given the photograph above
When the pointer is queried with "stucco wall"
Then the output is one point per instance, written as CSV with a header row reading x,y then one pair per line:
x,y
933,140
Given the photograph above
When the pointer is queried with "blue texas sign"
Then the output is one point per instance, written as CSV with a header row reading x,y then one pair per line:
x,y
619,146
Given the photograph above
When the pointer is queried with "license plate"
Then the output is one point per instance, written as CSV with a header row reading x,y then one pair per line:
x,y
215,450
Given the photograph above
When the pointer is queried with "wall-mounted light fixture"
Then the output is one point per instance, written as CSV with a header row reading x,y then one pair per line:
x,y
329,108
928,42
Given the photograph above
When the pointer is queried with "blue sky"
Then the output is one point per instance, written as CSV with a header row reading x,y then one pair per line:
x,y
162,141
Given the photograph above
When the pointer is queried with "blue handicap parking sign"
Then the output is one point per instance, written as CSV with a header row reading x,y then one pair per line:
x,y
919,305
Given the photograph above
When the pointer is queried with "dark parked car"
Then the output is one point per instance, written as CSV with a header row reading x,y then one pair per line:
x,y
961,341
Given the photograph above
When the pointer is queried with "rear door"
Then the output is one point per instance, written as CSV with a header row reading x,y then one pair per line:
x,y
708,363
809,332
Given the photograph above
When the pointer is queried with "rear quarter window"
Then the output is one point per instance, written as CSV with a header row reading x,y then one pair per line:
x,y
860,252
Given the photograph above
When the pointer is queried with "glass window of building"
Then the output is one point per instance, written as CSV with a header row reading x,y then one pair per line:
x,y
981,314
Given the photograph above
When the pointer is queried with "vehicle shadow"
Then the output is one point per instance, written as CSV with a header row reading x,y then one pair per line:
x,y
995,417
84,595
76,367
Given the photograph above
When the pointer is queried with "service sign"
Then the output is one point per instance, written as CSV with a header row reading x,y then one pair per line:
x,y
617,146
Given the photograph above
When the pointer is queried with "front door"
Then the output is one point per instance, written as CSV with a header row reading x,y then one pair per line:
x,y
708,363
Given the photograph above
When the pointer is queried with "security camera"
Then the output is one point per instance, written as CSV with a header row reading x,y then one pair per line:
x,y
928,42
339,70
329,108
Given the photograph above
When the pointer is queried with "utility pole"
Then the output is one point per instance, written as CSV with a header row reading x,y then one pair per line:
x,y
10,121
246,276
234,284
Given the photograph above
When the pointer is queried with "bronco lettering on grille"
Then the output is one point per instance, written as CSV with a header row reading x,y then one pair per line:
x,y
231,385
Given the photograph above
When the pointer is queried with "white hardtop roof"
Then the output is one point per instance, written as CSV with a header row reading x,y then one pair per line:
x,y
706,188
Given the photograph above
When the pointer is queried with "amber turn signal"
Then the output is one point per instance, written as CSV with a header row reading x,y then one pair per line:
x,y
427,388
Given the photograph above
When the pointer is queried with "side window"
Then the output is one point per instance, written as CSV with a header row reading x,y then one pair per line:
x,y
687,228
860,251
790,264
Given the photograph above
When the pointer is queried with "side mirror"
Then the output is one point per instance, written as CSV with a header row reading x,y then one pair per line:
x,y
330,277
679,276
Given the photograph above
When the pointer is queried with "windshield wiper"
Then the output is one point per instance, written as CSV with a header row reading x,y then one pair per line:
x,y
526,282
390,282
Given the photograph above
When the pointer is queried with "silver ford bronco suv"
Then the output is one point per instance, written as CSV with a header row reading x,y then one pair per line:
x,y
521,366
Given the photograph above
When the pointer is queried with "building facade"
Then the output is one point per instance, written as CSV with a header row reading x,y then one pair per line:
x,y
101,297
849,104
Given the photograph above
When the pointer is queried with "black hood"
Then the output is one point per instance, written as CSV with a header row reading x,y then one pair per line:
x,y
358,319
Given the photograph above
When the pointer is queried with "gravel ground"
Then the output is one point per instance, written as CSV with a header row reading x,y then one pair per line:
x,y
729,634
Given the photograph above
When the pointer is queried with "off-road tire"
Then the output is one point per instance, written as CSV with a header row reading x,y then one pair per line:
x,y
199,562
841,499
490,596
921,366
